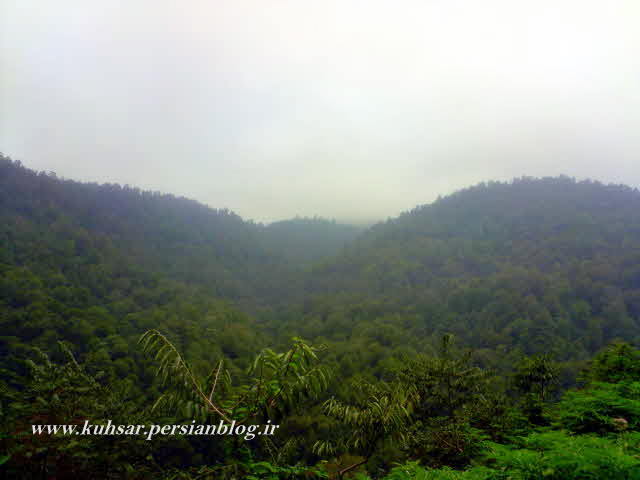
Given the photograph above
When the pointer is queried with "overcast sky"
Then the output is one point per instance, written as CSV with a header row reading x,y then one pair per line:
x,y
355,110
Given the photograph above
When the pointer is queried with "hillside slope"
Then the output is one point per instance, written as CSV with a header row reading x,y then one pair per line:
x,y
302,241
534,264
530,265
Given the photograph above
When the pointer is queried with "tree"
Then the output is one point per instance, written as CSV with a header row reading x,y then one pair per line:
x,y
449,391
535,377
276,383
380,413
618,362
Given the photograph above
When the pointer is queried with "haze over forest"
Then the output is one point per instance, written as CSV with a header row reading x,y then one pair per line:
x,y
405,233
343,109
503,318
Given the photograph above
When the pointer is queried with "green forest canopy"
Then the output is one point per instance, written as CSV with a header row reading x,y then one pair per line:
x,y
537,280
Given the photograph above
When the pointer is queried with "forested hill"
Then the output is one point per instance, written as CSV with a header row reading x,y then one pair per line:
x,y
545,224
47,220
301,241
95,266
534,264
161,233
530,265
535,275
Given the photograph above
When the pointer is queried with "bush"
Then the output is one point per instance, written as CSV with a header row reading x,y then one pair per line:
x,y
601,408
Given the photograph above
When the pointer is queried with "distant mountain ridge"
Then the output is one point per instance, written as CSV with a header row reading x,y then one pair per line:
x,y
174,235
539,223
532,265
539,265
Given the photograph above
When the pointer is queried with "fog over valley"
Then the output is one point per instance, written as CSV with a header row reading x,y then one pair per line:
x,y
320,240
344,109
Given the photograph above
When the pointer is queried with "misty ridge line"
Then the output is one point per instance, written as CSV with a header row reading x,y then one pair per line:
x,y
126,187
327,108
360,225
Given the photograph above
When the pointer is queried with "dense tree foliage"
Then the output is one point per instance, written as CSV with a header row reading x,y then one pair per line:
x,y
301,241
533,266
536,280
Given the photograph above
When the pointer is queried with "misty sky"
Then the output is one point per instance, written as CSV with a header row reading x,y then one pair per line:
x,y
355,110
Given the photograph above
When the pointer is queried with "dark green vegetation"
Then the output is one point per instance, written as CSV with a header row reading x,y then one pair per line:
x,y
302,241
489,335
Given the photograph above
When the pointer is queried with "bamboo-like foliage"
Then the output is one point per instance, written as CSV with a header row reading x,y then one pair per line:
x,y
190,391
382,413
282,380
277,382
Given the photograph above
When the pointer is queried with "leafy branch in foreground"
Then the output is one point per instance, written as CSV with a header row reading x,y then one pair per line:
x,y
171,366
382,412
276,382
